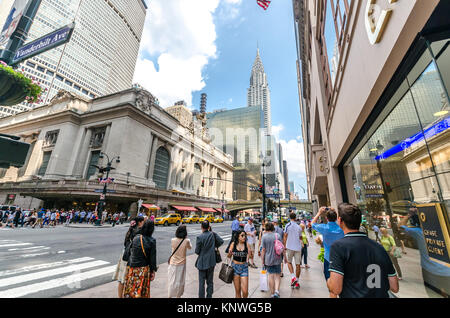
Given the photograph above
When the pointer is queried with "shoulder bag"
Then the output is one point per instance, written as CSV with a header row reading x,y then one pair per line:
x,y
168,262
218,257
226,273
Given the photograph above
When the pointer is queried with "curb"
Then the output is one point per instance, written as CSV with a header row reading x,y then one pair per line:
x,y
95,227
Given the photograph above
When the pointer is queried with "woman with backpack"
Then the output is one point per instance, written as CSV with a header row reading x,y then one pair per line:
x,y
177,262
121,269
272,249
240,251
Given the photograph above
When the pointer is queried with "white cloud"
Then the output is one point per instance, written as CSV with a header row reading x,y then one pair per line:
x,y
181,35
293,153
276,130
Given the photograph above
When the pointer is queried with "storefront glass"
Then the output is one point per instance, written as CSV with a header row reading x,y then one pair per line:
x,y
401,174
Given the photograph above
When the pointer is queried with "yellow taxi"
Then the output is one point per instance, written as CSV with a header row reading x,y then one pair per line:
x,y
207,217
218,219
167,219
191,219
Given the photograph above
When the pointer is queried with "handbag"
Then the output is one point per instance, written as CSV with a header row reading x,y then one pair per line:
x,y
397,252
127,252
218,257
168,262
226,273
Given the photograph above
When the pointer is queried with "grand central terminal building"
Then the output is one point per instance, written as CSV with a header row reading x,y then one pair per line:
x,y
161,161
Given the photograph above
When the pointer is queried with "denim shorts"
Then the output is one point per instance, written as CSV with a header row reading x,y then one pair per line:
x,y
275,269
240,269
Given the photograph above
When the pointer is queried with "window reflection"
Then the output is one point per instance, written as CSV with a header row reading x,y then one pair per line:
x,y
405,163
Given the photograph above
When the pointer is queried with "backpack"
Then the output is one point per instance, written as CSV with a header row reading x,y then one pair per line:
x,y
279,247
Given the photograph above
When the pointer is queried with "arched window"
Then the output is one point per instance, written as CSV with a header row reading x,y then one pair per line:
x,y
162,164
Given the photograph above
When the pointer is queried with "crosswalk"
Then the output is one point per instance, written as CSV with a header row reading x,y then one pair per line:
x,y
43,277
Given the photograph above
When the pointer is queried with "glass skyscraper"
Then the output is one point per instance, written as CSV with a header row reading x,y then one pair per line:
x,y
101,56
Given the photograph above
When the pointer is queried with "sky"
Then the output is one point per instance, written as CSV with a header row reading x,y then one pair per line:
x,y
209,46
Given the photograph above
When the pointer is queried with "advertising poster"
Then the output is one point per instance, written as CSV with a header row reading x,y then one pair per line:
x,y
12,20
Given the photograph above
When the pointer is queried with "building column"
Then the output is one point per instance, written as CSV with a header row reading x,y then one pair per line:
x,y
153,157
83,155
149,157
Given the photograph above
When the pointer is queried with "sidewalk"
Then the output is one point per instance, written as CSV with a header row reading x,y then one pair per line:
x,y
312,282
89,226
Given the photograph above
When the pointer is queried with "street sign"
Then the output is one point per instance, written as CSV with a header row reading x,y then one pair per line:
x,y
271,195
101,190
12,21
45,43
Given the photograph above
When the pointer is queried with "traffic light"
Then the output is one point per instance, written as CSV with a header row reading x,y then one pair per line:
x,y
388,187
261,188
13,151
203,183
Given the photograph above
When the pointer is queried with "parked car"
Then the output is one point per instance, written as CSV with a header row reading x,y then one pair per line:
x,y
167,219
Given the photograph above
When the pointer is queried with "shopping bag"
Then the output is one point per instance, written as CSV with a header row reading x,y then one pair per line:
x,y
263,284
226,273
397,252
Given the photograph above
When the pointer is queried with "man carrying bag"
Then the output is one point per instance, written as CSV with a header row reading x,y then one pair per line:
x,y
205,248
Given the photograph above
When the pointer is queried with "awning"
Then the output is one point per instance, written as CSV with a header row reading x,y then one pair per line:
x,y
220,210
150,206
207,209
184,208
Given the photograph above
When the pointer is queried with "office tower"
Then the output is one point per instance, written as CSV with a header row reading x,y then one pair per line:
x,y
101,56
259,94
240,133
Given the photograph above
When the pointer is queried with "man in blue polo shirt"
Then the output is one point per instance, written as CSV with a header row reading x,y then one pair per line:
x,y
234,229
359,266
331,232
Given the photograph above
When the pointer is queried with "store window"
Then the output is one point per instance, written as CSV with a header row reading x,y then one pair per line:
x,y
401,175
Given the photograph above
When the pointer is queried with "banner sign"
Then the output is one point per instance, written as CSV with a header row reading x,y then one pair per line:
x,y
435,232
101,190
44,43
12,20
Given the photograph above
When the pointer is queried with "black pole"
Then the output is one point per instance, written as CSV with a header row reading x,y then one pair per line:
x,y
20,34
264,191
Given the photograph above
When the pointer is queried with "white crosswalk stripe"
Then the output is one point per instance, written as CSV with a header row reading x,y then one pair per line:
x,y
51,272
69,273
68,281
44,266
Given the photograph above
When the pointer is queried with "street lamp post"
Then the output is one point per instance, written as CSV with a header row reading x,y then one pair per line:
x,y
376,152
279,200
264,164
107,169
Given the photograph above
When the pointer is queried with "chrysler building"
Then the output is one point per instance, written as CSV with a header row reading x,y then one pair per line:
x,y
259,93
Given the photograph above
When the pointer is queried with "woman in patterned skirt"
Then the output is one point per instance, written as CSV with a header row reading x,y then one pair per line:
x,y
142,263
122,266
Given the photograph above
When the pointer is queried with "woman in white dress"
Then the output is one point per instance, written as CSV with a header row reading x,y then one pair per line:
x,y
177,263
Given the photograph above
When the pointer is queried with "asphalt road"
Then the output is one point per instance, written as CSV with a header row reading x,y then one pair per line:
x,y
54,262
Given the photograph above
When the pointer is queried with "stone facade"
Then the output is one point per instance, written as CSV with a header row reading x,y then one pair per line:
x,y
68,135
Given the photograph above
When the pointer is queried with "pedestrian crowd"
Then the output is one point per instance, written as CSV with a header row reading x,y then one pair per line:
x,y
350,258
17,217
